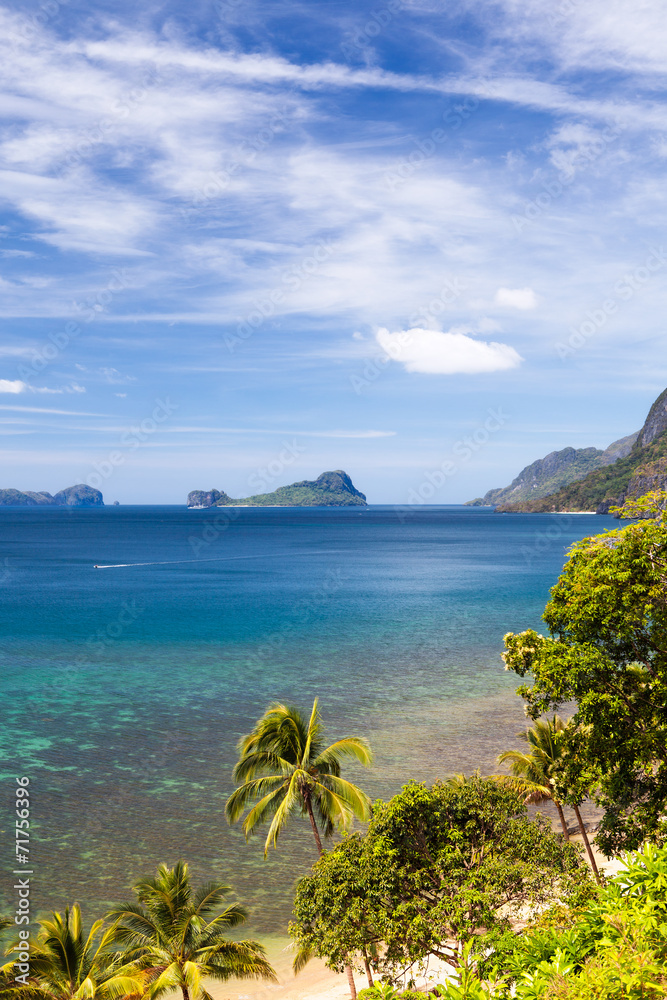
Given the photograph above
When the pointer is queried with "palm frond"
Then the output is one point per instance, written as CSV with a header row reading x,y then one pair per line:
x,y
240,798
259,762
291,802
263,809
312,735
209,897
350,746
167,980
240,960
301,959
357,801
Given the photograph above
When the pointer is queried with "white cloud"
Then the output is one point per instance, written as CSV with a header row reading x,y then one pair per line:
x,y
516,298
15,386
451,353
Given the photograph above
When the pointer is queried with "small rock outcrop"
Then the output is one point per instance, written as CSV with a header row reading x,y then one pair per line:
x,y
207,498
655,423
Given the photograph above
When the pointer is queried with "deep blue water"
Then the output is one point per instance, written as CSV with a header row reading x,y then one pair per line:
x,y
126,687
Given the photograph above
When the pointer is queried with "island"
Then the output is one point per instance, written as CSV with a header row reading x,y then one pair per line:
x,y
331,489
588,479
73,496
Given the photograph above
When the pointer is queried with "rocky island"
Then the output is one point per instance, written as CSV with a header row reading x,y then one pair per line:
x,y
331,489
73,496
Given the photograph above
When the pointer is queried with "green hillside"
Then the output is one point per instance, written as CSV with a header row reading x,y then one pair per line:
x,y
331,489
644,469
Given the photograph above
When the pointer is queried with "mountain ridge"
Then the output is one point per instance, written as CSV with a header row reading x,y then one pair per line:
x,y
643,469
547,475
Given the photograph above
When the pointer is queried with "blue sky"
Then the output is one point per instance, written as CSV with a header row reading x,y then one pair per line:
x,y
255,240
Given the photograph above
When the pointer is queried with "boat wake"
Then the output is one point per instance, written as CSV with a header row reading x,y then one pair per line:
x,y
175,562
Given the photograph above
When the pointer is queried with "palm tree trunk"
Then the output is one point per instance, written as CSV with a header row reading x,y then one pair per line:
x,y
186,992
350,979
561,816
316,832
587,844
369,974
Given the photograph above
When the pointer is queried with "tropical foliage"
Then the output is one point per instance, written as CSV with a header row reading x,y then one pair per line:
x,y
68,963
613,948
536,771
436,864
288,771
608,652
176,935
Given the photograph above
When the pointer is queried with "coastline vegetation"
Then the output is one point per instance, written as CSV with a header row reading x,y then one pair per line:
x,y
457,871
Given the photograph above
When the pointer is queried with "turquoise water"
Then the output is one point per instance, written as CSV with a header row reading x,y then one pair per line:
x,y
126,687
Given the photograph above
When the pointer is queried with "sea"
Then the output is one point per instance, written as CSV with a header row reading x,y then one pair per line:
x,y
139,643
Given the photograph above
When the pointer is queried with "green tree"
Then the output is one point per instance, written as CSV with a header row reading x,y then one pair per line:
x,y
287,770
285,765
66,963
338,909
536,769
440,863
175,935
607,651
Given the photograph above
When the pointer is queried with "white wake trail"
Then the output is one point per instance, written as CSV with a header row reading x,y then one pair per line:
x,y
174,562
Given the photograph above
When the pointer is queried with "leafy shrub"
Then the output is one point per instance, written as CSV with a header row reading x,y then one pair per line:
x,y
381,991
614,949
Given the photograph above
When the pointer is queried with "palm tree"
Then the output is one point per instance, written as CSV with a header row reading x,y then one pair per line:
x,y
285,766
534,772
175,935
68,964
